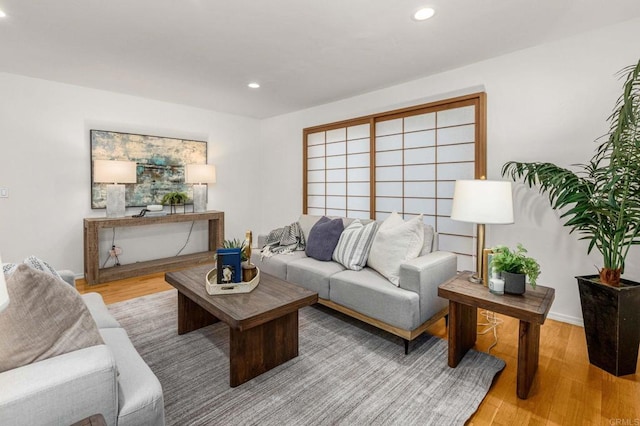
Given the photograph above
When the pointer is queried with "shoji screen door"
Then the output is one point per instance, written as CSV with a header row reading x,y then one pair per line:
x,y
338,171
405,161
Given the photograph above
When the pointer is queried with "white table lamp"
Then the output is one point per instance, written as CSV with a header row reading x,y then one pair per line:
x,y
115,173
4,295
199,175
484,202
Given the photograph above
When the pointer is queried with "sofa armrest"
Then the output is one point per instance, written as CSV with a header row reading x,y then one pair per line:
x,y
424,274
61,390
68,276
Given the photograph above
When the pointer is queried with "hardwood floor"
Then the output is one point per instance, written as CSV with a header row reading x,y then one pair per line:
x,y
567,390
117,291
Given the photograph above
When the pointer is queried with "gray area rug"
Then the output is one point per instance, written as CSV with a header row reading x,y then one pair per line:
x,y
347,373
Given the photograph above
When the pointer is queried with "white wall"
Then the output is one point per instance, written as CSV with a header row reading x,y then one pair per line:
x,y
45,164
546,103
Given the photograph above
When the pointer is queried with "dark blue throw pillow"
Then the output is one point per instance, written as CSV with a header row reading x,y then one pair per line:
x,y
323,238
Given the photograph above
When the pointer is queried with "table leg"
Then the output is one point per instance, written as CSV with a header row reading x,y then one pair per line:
x,y
91,255
463,323
261,348
528,354
192,316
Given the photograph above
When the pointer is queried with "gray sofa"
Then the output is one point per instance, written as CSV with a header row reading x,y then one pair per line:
x,y
406,310
110,379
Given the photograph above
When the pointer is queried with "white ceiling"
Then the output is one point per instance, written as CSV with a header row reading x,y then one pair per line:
x,y
303,52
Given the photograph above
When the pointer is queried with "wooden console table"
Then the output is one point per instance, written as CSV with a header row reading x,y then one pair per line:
x,y
95,275
530,308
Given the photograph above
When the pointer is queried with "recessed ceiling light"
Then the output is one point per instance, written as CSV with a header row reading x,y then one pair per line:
x,y
423,14
2,14
253,85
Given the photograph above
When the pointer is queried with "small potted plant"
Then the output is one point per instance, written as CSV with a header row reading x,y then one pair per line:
x,y
236,243
515,266
174,198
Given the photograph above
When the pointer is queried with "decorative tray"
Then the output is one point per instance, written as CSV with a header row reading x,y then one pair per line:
x,y
213,288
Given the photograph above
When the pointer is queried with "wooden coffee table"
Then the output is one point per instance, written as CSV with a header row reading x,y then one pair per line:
x,y
530,308
263,324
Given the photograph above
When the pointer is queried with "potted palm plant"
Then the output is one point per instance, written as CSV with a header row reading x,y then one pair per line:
x,y
601,202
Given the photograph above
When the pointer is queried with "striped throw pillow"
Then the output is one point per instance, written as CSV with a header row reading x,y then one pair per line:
x,y
355,242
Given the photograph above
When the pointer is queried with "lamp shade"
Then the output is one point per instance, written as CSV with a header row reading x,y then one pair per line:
x,y
4,295
114,171
200,173
482,201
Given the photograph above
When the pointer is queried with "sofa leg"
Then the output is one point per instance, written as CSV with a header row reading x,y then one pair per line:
x,y
446,320
406,346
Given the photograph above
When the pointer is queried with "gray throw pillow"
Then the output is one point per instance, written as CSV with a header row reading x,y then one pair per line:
x,y
45,318
323,238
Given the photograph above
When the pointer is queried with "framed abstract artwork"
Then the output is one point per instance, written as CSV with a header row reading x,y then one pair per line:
x,y
160,163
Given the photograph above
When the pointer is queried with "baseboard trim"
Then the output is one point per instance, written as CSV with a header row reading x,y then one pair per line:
x,y
566,318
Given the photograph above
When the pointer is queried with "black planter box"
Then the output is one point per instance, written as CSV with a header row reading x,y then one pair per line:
x,y
514,283
611,323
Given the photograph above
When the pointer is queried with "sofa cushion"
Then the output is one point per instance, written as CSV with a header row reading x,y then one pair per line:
x,y
427,245
45,318
306,222
313,274
355,242
276,265
140,399
396,242
99,311
371,294
323,238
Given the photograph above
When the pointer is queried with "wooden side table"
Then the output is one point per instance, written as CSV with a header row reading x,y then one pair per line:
x,y
531,309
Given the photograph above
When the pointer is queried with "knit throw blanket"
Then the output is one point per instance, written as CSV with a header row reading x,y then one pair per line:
x,y
284,240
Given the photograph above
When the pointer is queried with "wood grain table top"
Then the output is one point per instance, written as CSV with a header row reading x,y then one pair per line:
x,y
271,299
533,306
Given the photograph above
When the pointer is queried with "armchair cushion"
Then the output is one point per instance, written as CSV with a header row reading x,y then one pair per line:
x,y
45,318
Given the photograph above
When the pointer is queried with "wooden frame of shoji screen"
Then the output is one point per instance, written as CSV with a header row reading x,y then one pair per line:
x,y
325,148
477,100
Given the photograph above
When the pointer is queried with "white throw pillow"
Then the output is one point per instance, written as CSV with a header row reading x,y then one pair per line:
x,y
9,268
354,245
396,242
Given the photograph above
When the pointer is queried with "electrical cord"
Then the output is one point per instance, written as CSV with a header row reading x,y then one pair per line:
x,y
492,325
113,244
106,260
188,238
